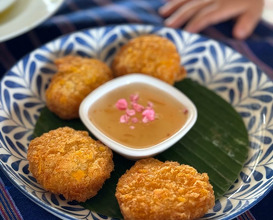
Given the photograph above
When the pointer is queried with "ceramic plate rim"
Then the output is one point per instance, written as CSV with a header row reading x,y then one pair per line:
x,y
60,213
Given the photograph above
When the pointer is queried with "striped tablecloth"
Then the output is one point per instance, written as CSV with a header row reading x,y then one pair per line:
x,y
79,14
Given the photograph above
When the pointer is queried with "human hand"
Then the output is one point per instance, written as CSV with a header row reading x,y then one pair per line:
x,y
199,14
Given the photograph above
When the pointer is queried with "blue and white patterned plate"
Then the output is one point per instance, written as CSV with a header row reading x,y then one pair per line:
x,y
219,68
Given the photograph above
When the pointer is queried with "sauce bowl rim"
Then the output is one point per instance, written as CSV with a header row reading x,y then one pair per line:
x,y
135,153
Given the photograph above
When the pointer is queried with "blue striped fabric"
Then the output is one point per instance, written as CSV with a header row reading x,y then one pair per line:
x,y
8,209
79,14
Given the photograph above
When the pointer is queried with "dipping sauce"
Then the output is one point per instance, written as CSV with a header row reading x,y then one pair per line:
x,y
138,115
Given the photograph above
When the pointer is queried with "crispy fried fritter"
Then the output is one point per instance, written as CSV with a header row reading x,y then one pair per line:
x,y
75,79
155,190
69,162
152,55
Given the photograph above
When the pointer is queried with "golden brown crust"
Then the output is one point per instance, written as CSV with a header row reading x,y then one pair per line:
x,y
69,162
149,54
155,190
75,79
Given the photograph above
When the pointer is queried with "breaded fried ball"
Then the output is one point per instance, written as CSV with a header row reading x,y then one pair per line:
x,y
152,55
155,190
76,77
69,162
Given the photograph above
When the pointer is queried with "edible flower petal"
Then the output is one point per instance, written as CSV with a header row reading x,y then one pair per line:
x,y
130,112
134,120
134,97
148,115
145,119
137,107
150,105
124,119
121,104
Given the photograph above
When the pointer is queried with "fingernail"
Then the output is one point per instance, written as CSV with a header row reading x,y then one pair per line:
x,y
169,21
163,10
240,33
190,29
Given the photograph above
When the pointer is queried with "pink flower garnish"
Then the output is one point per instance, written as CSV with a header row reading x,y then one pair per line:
x,y
130,112
121,104
145,119
124,119
137,107
134,97
148,115
134,120
150,105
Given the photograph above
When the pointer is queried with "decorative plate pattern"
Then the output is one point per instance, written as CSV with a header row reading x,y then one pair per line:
x,y
212,64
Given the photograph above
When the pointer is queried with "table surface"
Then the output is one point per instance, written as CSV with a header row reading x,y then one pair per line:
x,y
75,15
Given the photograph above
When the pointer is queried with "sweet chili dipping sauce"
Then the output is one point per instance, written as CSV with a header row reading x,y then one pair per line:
x,y
138,115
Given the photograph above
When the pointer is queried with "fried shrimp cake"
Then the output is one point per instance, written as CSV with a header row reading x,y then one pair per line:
x,y
152,55
69,162
155,190
76,77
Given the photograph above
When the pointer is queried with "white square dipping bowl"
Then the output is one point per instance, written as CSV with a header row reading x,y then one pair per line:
x,y
128,152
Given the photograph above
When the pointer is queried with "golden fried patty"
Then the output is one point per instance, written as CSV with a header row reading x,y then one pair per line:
x,y
76,77
155,190
69,162
152,55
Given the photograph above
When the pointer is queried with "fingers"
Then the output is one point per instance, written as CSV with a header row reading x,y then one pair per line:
x,y
244,26
171,7
212,14
199,14
183,14
246,23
